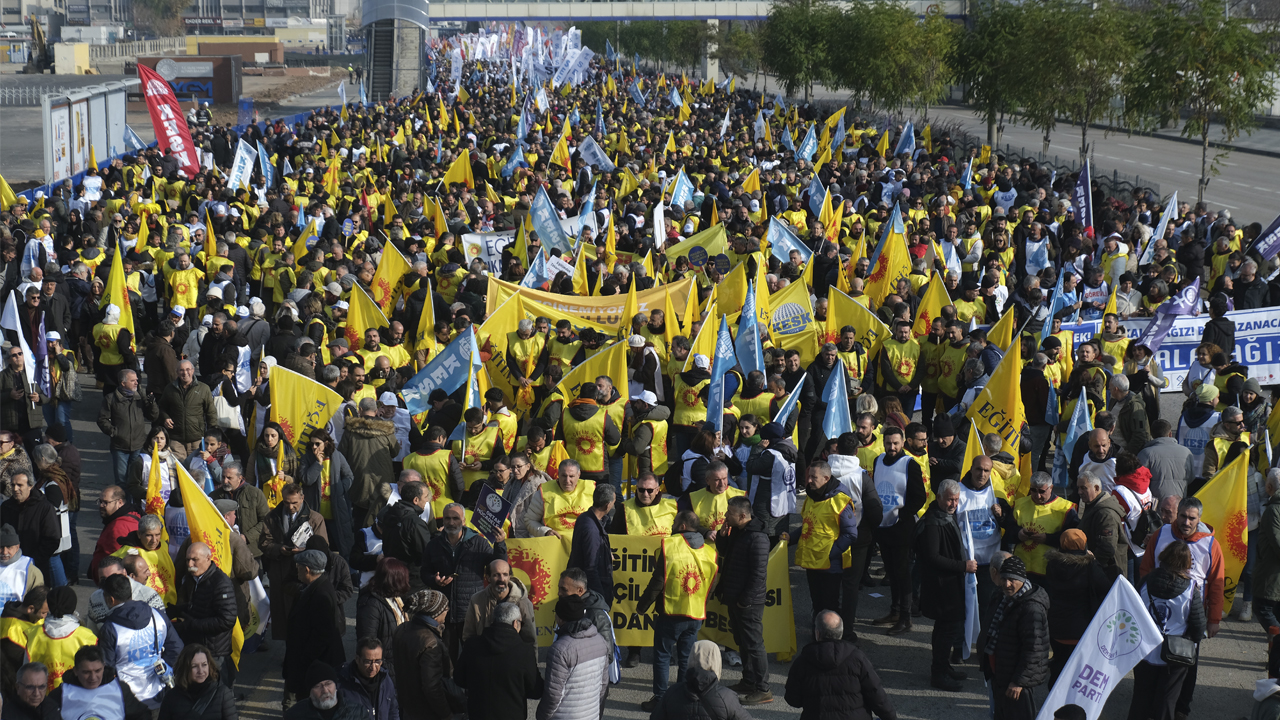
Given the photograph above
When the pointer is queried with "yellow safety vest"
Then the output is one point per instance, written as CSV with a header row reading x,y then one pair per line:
x,y
930,353
690,573
949,364
1116,350
184,286
325,353
923,461
689,405
16,630
819,532
164,580
854,362
758,406
903,358
434,469
584,440
560,510
1047,519
57,654
507,424
867,455
479,448
966,309
652,520
104,336
658,448
709,508
563,353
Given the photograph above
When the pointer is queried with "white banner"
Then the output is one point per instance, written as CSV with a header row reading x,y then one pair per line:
x,y
488,247
242,166
1120,634
591,151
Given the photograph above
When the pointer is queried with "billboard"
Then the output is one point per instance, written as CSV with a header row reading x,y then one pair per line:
x,y
75,121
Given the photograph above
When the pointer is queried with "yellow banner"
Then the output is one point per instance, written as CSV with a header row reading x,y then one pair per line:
x,y
702,247
491,338
300,405
935,298
779,616
842,310
362,314
611,361
538,562
605,311
118,292
791,323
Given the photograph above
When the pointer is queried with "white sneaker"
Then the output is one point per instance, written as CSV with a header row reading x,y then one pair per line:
x,y
1244,611
732,658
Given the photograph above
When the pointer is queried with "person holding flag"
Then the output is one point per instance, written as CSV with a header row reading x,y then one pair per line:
x,y
900,485
943,564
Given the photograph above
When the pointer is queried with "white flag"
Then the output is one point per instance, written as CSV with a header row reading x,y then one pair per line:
x,y
242,166
1120,634
972,619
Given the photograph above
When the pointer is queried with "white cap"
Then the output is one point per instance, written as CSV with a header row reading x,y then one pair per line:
x,y
53,335
388,398
648,398
214,292
636,341
242,311
341,305
207,320
702,361
178,310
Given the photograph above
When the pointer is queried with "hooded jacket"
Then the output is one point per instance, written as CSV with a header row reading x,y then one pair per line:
x,y
1167,585
499,670
577,674
653,593
1215,574
465,562
483,603
702,697
1077,585
834,680
1102,522
369,444
760,471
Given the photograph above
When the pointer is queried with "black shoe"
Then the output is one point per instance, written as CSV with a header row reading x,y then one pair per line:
x,y
650,704
851,636
946,682
902,626
742,687
633,658
758,697
956,658
957,674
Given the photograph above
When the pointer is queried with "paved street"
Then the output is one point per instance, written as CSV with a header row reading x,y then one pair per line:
x,y
1229,664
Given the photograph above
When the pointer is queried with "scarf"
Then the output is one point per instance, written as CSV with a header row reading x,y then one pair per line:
x,y
997,618
584,401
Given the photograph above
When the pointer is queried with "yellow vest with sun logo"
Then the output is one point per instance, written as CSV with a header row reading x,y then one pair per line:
x,y
57,654
689,575
560,510
710,508
650,520
584,440
689,406
478,448
821,528
903,358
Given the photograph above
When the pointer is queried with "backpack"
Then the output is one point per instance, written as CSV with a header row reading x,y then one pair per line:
x,y
1148,523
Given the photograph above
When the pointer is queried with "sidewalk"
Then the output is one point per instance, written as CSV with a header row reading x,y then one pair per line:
x,y
1264,140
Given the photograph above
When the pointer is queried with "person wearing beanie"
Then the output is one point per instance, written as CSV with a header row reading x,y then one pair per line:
x,y
1077,584
944,449
422,661
1197,423
1015,647
56,642
314,633
322,699
577,669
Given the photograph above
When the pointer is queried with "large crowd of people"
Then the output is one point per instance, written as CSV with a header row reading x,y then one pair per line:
x,y
222,286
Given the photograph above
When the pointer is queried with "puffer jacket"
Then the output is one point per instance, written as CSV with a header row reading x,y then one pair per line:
x,y
127,420
190,408
1077,585
834,680
701,698
180,703
423,685
369,444
1102,523
483,603
577,674
207,610
759,470
1022,650
465,562
744,560
1165,585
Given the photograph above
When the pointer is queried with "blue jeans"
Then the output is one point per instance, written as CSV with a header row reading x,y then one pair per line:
x,y
59,575
616,468
120,460
59,413
1246,575
672,633
71,558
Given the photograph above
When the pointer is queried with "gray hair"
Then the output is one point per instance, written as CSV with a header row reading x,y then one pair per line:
x,y
1120,382
569,463
149,523
1191,503
45,456
330,373
1273,479
1039,361
408,475
33,666
998,557
525,325
187,362
1040,479
1232,411
232,465
461,509
948,487
368,405
506,614
1093,480
604,494
828,626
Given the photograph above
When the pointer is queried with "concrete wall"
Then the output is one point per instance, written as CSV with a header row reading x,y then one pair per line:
x,y
249,52
71,58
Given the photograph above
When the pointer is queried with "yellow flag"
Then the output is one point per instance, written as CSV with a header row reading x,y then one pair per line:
x,y
210,527
1226,503
670,147
630,309
521,246
93,157
611,361
935,298
300,247
752,183
438,218
630,183
984,157
843,310
715,213
998,408
611,245
732,290
1110,309
671,328
460,171
928,139
7,196
894,263
386,279
444,116
581,285
398,137
362,314
117,293
882,147
713,241
972,449
560,155
155,485
300,405
791,323
1001,334
427,323
690,312
705,342
463,95
686,111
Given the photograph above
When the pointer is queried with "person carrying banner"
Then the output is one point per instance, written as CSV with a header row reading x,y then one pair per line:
x,y
943,563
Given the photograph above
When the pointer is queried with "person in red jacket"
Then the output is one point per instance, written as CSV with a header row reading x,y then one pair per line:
x,y
119,518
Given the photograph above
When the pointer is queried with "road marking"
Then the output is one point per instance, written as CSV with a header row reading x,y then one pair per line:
x,y
1240,184
1184,172
1217,202
1135,147
1165,168
1147,165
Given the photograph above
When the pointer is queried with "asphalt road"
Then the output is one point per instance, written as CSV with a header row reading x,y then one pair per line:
x,y
1229,664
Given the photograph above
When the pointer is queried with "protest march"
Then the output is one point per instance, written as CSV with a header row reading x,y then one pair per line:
x,y
561,371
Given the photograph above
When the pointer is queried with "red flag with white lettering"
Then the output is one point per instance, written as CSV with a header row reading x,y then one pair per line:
x,y
167,120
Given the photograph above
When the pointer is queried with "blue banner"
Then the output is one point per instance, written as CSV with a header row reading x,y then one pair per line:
x,y
808,146
681,190
447,371
546,222
720,367
268,171
817,194
906,141
782,240
747,345
789,405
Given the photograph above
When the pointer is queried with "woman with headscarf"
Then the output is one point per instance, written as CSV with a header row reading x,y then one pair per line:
x,y
272,457
702,697
326,477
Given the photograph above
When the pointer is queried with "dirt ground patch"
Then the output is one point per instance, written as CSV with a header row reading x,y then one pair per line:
x,y
268,92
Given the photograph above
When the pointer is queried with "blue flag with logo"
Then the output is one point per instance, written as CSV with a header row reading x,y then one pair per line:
x,y
838,420
635,95
515,161
608,50
574,118
720,367
817,194
546,222
808,146
447,371
789,405
132,141
268,171
782,240
536,278
747,345
1186,302
906,141
787,141
1077,427
676,100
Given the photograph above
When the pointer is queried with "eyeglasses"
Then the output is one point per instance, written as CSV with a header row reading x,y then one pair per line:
x,y
646,491
366,661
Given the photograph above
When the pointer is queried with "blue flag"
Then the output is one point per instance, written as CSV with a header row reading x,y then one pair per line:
x,y
608,50
968,175
1051,410
972,620
789,405
574,118
268,171
895,224
723,363
676,100
536,278
747,345
286,168
817,194
906,141
546,222
837,421
599,121
447,371
782,240
808,146
1185,302
635,95
787,141
364,99
1077,427
132,141
516,161
1055,304
681,190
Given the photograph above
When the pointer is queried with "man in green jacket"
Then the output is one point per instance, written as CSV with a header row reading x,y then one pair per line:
x,y
186,410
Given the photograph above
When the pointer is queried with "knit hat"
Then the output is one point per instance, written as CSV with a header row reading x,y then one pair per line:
x,y
8,536
426,602
1014,569
320,672
571,607
1252,385
943,427
62,601
1207,394
1072,540
772,431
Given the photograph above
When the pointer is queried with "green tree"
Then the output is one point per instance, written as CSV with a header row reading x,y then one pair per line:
x,y
796,43
738,48
900,60
1194,59
990,59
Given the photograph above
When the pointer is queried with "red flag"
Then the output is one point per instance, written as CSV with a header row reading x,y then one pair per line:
x,y
167,120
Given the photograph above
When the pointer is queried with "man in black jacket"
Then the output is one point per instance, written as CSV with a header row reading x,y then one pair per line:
x,y
499,669
456,561
405,534
945,454
744,564
590,548
900,484
313,630
1220,330
943,564
206,611
833,678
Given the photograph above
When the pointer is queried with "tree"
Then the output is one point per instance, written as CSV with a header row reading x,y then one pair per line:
x,y
738,48
900,60
796,43
990,58
1195,59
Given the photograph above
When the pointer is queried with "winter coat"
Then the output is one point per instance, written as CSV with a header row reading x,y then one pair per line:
x,y
252,510
258,470
834,680
341,534
590,552
243,570
1266,567
206,610
219,703
344,710
1102,523
1077,585
483,603
190,408
405,537
115,530
1170,465
20,417
760,471
1132,429
1022,650
136,615
744,561
466,562
423,684
278,561
127,420
577,679
941,557
701,698
499,670
313,634
369,444
352,691
376,617
36,521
